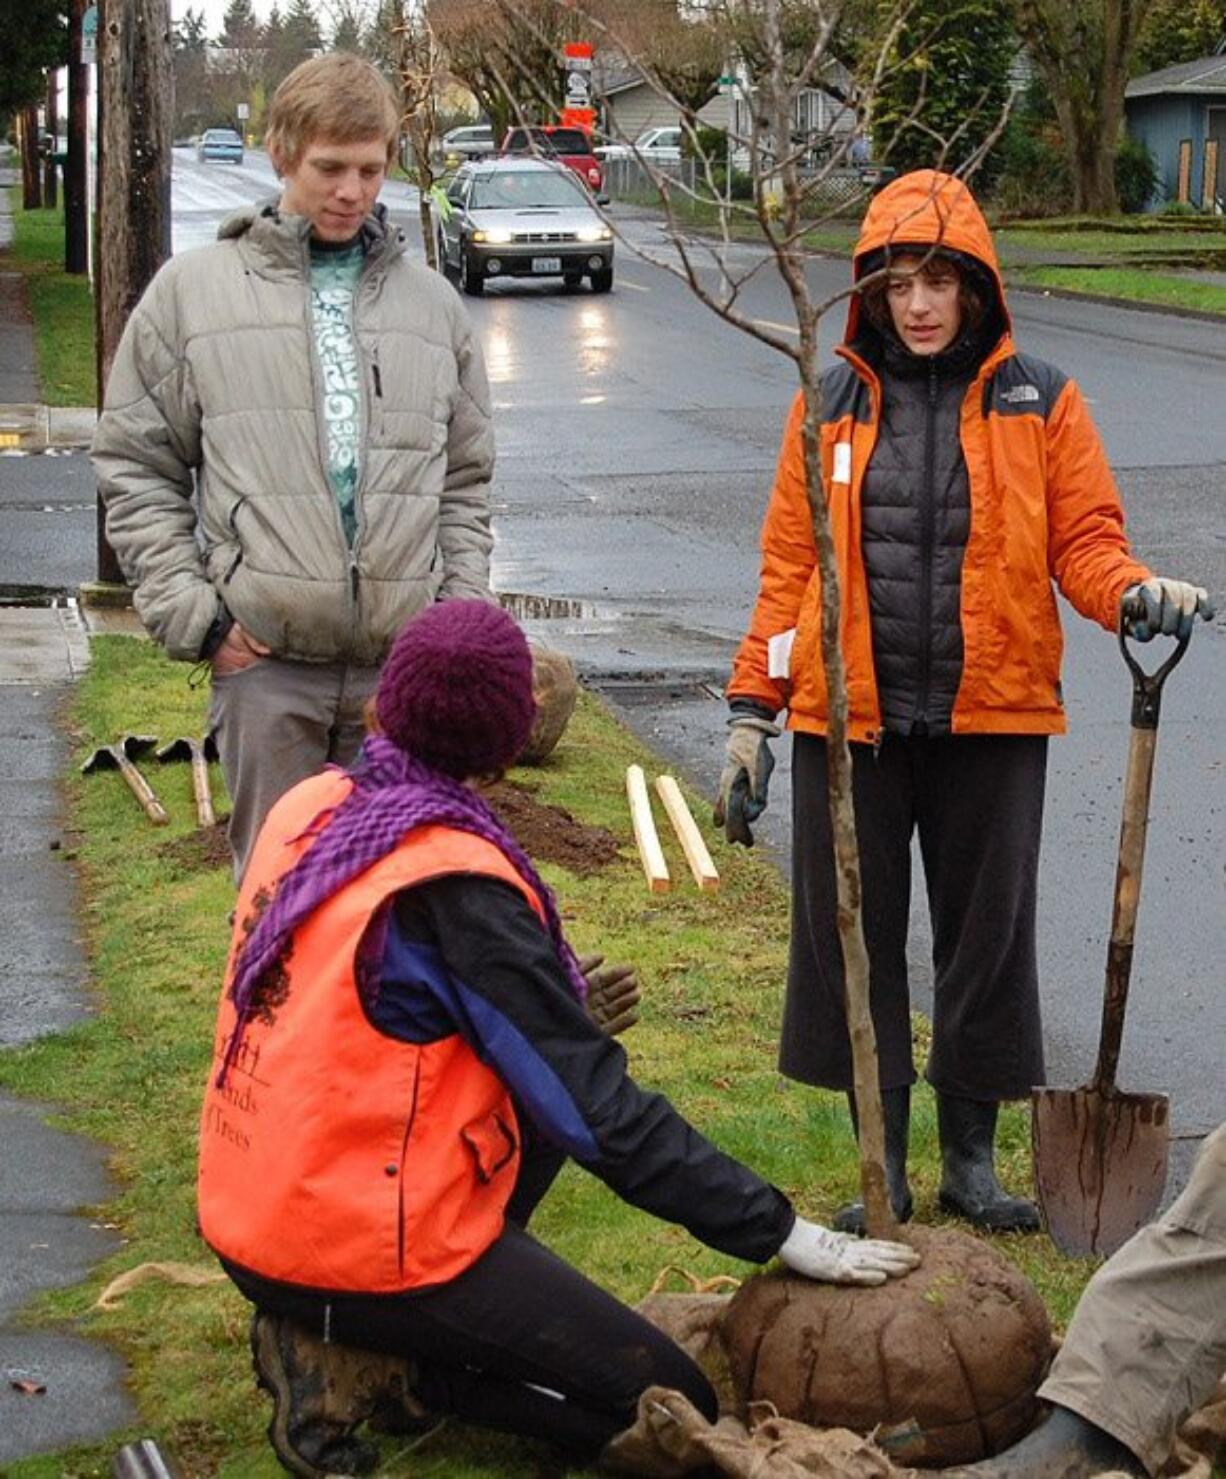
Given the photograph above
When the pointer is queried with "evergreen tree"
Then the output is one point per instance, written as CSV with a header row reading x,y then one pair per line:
x,y
950,84
240,29
35,36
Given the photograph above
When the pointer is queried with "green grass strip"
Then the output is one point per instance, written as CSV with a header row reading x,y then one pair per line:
x,y
61,306
1136,285
712,966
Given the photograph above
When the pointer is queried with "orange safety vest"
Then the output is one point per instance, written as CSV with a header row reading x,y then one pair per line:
x,y
1044,506
336,1157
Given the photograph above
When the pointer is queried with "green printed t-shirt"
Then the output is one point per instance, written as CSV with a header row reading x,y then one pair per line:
x,y
334,278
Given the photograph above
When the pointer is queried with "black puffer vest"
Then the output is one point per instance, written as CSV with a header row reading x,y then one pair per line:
x,y
916,521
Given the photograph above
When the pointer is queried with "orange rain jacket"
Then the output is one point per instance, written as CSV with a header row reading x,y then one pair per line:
x,y
1044,506
336,1157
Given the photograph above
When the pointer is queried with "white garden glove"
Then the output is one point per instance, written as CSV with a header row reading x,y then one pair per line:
x,y
839,1258
746,775
1170,607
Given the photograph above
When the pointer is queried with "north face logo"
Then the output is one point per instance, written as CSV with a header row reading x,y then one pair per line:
x,y
1019,394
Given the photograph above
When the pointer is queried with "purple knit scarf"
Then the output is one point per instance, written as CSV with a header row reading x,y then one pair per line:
x,y
392,795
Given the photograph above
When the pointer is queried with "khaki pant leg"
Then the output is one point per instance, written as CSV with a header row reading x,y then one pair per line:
x,y
1147,1343
272,723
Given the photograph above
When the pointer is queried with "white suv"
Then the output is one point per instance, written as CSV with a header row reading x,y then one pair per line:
x,y
655,145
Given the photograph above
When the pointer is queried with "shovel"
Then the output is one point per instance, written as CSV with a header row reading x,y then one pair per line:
x,y
1100,1155
198,753
121,756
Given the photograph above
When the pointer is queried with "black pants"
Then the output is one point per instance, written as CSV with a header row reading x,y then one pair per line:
x,y
520,1319
976,802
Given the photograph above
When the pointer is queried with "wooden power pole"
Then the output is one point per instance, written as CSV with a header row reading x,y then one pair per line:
x,y
51,140
76,167
31,180
135,109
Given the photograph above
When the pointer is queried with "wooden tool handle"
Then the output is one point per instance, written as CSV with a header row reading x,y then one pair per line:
x,y
200,785
141,789
1133,827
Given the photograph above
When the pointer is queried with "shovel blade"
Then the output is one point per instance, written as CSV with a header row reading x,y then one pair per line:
x,y
1100,1165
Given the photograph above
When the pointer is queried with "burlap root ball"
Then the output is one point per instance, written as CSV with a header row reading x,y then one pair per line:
x,y
556,690
958,1348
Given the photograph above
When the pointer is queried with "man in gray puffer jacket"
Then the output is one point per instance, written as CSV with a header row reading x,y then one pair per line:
x,y
295,451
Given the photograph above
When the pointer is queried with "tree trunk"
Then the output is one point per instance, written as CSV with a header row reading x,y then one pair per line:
x,y
52,115
76,203
879,1218
135,105
31,177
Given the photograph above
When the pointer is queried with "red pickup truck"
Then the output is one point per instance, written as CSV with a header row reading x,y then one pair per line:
x,y
569,146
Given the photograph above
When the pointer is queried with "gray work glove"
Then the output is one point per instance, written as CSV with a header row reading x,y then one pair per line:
x,y
1169,606
838,1258
745,778
613,994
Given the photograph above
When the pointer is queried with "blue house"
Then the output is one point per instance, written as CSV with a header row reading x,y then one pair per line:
x,y
1184,105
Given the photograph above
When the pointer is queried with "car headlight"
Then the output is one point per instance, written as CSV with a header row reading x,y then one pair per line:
x,y
595,233
495,236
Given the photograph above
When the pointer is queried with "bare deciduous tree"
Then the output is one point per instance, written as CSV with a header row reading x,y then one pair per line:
x,y
783,50
418,60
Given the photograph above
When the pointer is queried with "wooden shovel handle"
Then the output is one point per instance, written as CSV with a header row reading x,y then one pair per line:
x,y
1138,778
141,789
200,785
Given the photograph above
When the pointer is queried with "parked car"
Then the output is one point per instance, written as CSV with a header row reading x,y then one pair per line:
x,y
516,217
655,145
569,146
470,141
220,143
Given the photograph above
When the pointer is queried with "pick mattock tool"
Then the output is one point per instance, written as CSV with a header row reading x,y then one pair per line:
x,y
120,756
199,753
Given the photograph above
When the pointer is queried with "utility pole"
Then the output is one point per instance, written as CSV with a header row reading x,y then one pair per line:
x,y
51,139
31,183
135,105
76,204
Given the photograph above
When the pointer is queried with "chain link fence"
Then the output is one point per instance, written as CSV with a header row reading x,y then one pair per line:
x,y
836,192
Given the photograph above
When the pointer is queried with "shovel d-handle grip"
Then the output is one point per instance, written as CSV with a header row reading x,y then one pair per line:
x,y
1146,687
1138,778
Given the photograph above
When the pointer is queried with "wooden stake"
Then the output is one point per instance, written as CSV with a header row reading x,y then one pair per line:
x,y
696,855
645,835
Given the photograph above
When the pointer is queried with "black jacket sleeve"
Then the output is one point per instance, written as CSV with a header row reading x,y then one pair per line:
x,y
512,1001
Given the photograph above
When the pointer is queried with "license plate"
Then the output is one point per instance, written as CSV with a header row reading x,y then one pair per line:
x,y
547,264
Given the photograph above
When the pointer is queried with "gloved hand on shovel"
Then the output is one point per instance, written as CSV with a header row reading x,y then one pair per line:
x,y
613,994
839,1258
748,763
1161,606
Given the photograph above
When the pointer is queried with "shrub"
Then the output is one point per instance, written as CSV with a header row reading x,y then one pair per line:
x,y
1136,175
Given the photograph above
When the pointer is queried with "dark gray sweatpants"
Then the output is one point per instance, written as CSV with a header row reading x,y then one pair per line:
x,y
276,723
976,802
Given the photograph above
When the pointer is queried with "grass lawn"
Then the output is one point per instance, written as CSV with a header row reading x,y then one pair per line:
x,y
155,916
62,307
1137,284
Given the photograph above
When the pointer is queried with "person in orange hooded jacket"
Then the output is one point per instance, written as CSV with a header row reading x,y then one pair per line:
x,y
962,478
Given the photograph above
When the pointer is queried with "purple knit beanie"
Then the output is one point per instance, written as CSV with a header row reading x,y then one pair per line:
x,y
456,689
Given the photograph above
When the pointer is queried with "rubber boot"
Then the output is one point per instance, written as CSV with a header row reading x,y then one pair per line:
x,y
969,1187
320,1394
1066,1446
896,1106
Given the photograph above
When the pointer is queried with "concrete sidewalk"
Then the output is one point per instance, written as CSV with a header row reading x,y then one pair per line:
x,y
46,1176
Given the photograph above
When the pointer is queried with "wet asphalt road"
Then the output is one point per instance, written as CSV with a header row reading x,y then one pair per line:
x,y
637,437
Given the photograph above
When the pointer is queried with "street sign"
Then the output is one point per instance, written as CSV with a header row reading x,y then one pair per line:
x,y
243,111
89,37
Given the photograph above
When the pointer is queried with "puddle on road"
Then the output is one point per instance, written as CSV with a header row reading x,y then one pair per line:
x,y
545,608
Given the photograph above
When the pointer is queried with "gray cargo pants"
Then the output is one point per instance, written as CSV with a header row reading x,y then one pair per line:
x,y
1147,1343
276,723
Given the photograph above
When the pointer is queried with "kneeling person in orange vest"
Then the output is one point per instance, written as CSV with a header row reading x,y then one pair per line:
x,y
404,1059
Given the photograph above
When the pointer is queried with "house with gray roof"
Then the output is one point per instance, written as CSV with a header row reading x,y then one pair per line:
x,y
1183,106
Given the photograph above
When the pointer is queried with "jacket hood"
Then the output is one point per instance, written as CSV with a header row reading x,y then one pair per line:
x,y
280,239
924,209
